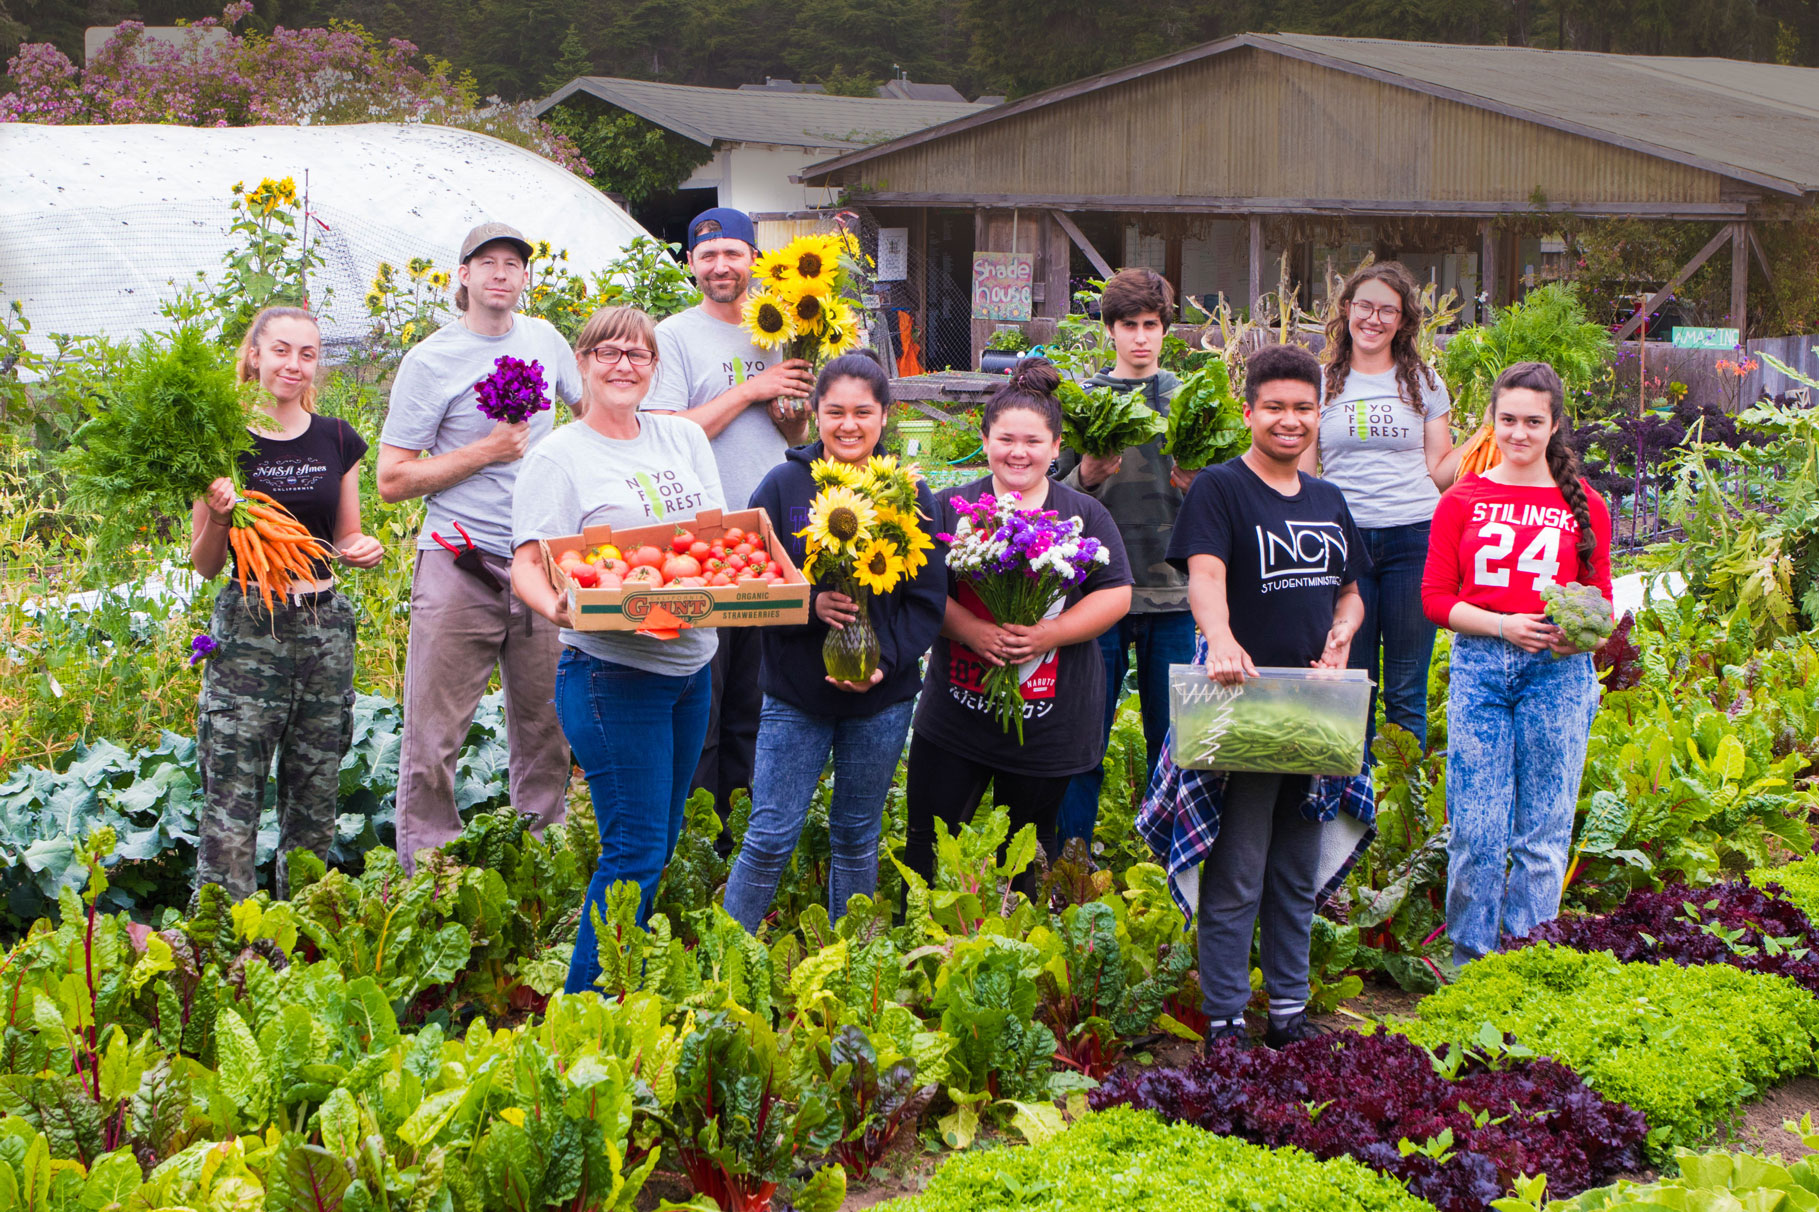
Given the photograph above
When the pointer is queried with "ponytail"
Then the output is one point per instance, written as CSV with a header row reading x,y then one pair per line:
x,y
1562,459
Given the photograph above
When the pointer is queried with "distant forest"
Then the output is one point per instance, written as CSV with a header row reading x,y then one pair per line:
x,y
521,49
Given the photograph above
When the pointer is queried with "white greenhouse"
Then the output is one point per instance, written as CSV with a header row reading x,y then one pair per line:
x,y
99,225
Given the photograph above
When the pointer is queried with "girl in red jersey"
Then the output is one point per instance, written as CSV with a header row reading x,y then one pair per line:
x,y
1522,699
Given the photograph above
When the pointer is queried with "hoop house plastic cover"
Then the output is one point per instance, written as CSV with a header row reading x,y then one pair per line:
x,y
103,223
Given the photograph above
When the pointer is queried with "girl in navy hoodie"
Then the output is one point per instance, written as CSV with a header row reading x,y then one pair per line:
x,y
808,715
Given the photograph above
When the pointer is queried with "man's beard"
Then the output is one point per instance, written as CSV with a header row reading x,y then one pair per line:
x,y
723,290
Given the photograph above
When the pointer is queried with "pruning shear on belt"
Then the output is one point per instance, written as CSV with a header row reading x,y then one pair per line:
x,y
467,558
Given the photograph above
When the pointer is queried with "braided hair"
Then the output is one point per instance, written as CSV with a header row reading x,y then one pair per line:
x,y
1411,371
1562,459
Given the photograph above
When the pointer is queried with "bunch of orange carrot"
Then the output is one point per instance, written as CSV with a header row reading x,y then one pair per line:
x,y
272,546
1480,454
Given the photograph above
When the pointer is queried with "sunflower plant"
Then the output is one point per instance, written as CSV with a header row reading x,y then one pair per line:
x,y
804,296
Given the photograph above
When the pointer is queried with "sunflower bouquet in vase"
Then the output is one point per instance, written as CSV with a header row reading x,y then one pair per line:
x,y
864,537
805,296
1019,564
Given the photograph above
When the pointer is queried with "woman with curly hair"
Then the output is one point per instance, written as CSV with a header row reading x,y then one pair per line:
x,y
1386,444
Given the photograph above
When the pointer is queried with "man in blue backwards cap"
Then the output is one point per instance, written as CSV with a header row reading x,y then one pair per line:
x,y
753,405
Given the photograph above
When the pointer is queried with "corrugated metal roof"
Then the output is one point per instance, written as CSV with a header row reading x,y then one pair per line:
x,y
1754,122
729,115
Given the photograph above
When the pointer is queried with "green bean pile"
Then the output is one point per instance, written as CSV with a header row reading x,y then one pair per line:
x,y
1283,738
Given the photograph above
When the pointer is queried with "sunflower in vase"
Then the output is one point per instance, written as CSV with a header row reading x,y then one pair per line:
x,y
864,538
804,299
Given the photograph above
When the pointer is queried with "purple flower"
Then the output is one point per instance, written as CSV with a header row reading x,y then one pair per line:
x,y
514,392
202,648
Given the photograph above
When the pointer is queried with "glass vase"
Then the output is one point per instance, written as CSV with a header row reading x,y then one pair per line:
x,y
851,653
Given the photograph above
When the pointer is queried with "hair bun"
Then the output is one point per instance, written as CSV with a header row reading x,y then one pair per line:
x,y
1037,375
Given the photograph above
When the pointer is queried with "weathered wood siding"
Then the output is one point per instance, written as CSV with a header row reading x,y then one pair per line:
x,y
1258,125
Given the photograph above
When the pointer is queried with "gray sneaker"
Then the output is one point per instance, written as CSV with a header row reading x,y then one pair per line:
x,y
1234,1036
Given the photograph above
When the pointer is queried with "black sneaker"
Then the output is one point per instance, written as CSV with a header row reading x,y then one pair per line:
x,y
1233,1036
1295,1030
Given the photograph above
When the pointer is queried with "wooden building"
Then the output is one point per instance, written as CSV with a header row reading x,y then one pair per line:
x,y
1216,163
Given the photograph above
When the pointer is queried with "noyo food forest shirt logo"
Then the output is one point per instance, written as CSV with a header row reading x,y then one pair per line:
x,y
1300,555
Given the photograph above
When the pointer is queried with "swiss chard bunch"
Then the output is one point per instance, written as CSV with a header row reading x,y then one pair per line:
x,y
515,391
1094,997
1730,923
1103,421
1381,1099
1206,419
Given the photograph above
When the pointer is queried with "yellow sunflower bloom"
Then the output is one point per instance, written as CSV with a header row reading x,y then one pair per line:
x,y
879,568
917,546
839,520
814,258
839,331
768,321
773,269
830,473
808,304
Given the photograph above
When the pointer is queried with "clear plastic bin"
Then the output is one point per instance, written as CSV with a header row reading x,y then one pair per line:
x,y
1284,721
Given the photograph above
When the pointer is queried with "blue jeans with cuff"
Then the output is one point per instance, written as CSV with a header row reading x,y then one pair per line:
x,y
637,737
1394,628
793,750
1517,727
1163,638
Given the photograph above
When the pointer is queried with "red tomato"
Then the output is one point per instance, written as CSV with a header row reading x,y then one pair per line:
x,y
645,557
743,549
570,556
617,568
750,574
733,535
758,558
720,579
692,582
644,574
584,575
735,563
700,550
713,564
679,566
684,540
611,580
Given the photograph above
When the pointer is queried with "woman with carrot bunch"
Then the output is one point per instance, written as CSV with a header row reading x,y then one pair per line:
x,y
281,678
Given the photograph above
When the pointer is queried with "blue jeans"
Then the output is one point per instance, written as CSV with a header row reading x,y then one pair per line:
x,y
1517,727
1164,638
1394,628
793,748
637,737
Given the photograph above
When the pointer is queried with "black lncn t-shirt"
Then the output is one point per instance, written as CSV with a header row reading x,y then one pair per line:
x,y
1286,557
304,473
1064,692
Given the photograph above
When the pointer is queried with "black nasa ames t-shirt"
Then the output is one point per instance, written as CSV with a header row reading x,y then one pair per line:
x,y
1286,557
304,473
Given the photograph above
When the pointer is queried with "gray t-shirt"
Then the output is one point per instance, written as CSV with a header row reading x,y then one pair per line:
x,y
580,478
698,358
434,409
1371,446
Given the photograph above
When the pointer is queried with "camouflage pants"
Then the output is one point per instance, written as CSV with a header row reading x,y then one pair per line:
x,y
280,683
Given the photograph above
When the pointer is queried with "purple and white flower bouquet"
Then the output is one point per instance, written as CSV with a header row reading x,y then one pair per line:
x,y
1020,562
514,392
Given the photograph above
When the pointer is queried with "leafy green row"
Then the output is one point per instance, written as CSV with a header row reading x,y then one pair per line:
x,y
1799,883
1130,1161
1685,1046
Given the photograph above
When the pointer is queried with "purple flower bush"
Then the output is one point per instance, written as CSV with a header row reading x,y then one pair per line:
x,y
514,392
1736,924
308,76
1361,1096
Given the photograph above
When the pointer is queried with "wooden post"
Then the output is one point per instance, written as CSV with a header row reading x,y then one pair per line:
x,y
1740,278
982,329
922,281
1085,245
1487,269
1056,256
1171,266
1256,279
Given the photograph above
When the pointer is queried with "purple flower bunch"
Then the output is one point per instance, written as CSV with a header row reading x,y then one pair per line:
x,y
201,648
1020,563
514,392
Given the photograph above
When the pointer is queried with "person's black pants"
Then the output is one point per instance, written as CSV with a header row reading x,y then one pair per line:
x,y
943,785
731,747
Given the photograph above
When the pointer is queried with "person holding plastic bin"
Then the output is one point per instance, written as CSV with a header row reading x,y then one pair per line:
x,y
1521,697
1273,560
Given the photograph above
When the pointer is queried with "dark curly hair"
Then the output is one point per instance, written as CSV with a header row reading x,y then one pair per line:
x,y
1410,369
1562,459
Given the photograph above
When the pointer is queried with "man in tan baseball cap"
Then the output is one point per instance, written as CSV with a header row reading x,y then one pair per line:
x,y
465,621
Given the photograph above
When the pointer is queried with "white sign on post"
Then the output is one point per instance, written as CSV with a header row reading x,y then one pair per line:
x,y
893,254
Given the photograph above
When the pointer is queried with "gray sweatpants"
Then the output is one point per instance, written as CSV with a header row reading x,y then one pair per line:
x,y
1266,857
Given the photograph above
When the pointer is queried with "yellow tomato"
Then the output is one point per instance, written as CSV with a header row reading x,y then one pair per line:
x,y
606,551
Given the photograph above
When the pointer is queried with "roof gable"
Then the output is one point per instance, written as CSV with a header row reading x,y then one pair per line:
x,y
728,115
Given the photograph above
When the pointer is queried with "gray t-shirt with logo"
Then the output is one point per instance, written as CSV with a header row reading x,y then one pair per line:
x,y
580,478
699,358
434,409
1372,449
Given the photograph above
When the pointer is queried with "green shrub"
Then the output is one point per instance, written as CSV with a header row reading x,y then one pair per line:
x,y
1799,884
1130,1161
1685,1046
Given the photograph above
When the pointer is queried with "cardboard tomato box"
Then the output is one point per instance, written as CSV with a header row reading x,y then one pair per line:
x,y
625,609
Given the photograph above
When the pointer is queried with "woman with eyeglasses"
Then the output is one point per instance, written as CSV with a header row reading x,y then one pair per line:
x,y
1386,442
633,707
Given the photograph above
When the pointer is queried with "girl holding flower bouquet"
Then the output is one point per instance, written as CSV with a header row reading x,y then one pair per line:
x,y
1016,704
843,509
